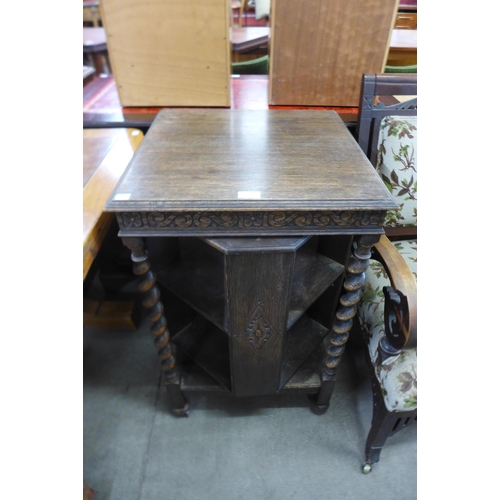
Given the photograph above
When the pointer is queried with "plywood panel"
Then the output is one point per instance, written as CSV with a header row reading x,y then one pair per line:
x,y
321,48
169,52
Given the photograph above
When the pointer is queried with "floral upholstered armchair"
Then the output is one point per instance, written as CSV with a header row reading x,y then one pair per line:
x,y
387,314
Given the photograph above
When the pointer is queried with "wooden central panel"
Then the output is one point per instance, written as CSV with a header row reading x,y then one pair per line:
x,y
321,48
169,52
258,293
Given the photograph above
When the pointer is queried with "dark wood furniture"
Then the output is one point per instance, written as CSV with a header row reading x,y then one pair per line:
x,y
400,313
106,153
245,221
375,90
95,45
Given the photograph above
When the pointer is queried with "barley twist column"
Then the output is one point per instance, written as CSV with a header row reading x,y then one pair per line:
x,y
159,329
353,290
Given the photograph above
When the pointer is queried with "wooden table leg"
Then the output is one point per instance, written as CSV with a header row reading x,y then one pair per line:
x,y
97,58
354,281
159,329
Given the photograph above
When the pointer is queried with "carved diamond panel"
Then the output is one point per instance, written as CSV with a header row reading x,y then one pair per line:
x,y
259,331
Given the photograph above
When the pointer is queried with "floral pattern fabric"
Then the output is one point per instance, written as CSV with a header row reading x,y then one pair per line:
x,y
397,166
397,374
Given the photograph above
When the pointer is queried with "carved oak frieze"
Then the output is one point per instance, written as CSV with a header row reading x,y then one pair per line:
x,y
227,221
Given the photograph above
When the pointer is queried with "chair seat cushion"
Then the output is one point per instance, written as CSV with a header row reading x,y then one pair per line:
x,y
397,374
398,378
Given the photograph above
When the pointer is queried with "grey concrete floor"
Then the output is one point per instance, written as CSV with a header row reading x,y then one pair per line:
x,y
271,448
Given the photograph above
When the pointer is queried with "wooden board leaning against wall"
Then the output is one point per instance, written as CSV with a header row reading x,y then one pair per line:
x,y
320,49
169,52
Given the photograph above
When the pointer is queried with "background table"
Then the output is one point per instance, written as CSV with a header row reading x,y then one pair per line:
x,y
94,44
106,154
102,108
250,217
249,39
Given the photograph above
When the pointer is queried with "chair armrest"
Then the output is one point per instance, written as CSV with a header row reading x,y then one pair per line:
x,y
400,298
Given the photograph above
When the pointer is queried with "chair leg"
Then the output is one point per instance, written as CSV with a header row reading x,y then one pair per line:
x,y
382,424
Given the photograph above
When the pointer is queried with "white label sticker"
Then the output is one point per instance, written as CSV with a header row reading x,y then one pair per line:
x,y
122,197
249,195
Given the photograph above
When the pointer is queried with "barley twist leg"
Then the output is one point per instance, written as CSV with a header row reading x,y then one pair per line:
x,y
354,280
159,329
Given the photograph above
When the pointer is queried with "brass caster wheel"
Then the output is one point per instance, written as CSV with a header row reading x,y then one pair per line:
x,y
367,468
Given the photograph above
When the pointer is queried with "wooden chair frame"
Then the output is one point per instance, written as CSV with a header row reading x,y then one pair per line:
x,y
384,422
376,91
400,313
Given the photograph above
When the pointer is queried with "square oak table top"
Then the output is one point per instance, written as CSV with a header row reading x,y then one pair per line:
x,y
217,171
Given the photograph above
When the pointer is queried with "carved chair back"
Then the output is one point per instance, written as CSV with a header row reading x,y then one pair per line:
x,y
386,131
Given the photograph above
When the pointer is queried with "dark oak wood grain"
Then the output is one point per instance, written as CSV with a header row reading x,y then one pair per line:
x,y
212,159
258,319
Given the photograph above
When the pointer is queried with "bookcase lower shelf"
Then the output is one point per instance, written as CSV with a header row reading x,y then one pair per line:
x,y
250,315
207,346
306,380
